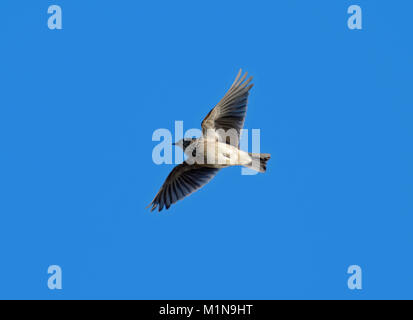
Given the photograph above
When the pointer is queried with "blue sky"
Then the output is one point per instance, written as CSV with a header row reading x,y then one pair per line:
x,y
78,107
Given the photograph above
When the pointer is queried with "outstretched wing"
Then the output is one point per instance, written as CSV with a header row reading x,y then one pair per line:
x,y
230,112
183,180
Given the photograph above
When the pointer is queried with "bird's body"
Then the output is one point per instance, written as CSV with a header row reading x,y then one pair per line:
x,y
215,154
217,148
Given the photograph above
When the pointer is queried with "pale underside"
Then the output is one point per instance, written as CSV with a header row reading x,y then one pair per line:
x,y
215,154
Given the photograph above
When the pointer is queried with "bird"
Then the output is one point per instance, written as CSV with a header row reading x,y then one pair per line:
x,y
217,148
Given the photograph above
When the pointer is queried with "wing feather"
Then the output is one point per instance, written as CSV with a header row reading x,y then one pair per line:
x,y
230,112
183,180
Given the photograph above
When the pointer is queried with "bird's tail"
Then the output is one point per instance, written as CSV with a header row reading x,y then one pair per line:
x,y
259,161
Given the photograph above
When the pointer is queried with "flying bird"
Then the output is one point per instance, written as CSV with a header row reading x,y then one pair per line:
x,y
217,148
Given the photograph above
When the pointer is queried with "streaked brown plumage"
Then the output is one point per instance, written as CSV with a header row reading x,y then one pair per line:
x,y
195,172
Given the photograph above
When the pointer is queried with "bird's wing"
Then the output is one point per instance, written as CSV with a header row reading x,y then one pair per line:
x,y
230,112
183,180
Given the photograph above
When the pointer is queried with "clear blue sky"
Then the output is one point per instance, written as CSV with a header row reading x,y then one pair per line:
x,y
78,107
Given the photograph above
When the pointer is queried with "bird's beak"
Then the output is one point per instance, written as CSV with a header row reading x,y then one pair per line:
x,y
173,143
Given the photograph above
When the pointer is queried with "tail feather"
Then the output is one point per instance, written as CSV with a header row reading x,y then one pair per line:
x,y
259,161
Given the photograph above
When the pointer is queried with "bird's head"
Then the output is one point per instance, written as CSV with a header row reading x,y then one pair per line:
x,y
184,143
